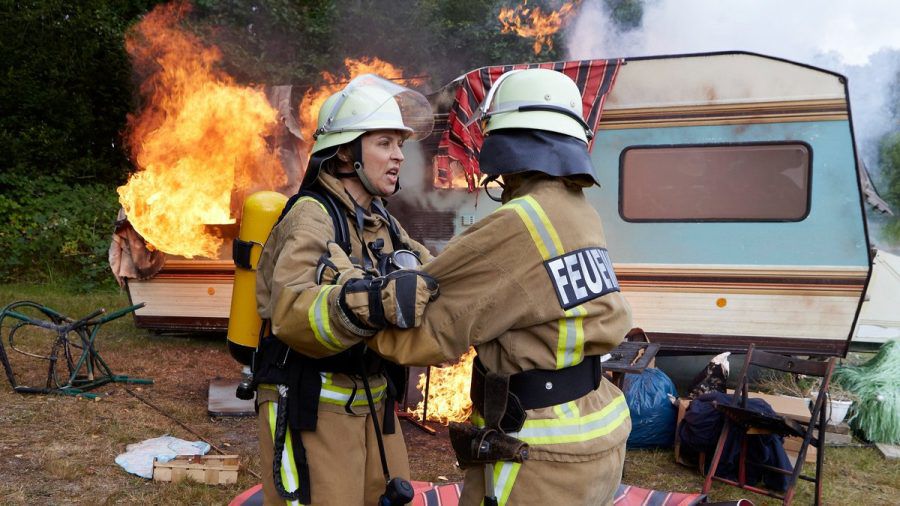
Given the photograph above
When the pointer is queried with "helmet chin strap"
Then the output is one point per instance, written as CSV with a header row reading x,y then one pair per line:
x,y
488,180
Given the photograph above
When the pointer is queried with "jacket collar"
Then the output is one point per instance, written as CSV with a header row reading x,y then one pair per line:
x,y
519,185
333,186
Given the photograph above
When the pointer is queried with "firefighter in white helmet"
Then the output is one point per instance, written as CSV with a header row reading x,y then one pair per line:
x,y
325,403
533,289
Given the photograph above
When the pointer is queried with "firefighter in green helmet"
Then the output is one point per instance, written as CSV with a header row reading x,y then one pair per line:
x,y
327,429
532,287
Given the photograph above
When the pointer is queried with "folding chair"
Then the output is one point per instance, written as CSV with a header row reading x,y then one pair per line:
x,y
753,423
74,364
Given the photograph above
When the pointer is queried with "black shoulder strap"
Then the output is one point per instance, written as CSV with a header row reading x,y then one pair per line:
x,y
338,219
393,229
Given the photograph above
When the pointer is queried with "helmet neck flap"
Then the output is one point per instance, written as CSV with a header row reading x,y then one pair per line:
x,y
517,150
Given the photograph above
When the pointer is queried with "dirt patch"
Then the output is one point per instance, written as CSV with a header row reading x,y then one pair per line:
x,y
61,449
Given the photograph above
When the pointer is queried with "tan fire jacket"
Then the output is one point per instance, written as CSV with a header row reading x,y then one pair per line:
x,y
301,311
531,287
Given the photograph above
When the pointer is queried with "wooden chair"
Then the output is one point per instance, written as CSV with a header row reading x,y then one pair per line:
x,y
737,416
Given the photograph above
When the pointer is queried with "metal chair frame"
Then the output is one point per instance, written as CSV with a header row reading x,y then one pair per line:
x,y
74,345
754,423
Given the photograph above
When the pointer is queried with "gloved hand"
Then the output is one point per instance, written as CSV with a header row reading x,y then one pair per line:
x,y
335,267
398,299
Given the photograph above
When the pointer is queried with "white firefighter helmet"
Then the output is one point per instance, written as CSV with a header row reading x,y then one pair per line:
x,y
366,104
370,103
540,99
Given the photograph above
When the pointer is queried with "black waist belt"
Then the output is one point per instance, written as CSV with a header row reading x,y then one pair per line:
x,y
277,364
503,399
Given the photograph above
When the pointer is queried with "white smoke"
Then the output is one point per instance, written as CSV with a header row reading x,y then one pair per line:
x,y
859,39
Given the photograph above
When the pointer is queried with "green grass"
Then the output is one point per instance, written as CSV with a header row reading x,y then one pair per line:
x,y
853,475
61,450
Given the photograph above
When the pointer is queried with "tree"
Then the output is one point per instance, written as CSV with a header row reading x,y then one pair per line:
x,y
626,14
890,172
65,88
289,42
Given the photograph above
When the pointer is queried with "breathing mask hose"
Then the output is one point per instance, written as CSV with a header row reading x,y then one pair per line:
x,y
281,428
397,491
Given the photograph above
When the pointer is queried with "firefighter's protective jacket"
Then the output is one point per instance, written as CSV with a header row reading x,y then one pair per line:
x,y
301,311
531,286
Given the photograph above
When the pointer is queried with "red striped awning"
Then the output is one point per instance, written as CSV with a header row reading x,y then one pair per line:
x,y
594,78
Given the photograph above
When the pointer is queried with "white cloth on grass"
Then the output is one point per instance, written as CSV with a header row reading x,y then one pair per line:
x,y
138,457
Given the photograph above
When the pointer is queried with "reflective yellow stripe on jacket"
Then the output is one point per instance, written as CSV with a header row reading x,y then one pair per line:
x,y
570,429
320,322
333,394
570,344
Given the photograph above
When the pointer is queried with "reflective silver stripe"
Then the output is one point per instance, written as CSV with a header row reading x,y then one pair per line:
x,y
566,410
318,320
575,430
570,345
333,394
529,206
538,224
504,478
290,478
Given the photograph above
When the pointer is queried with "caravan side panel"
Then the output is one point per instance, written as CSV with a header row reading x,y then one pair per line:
x,y
791,282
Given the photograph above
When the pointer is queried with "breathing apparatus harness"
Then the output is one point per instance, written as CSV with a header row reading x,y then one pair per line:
x,y
298,377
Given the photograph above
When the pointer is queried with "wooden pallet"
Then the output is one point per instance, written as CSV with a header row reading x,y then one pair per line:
x,y
209,469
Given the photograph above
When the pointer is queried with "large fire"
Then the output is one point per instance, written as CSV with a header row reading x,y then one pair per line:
x,y
314,98
448,391
199,139
533,22
199,142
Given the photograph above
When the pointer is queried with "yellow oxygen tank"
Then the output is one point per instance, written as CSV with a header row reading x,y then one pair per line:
x,y
261,211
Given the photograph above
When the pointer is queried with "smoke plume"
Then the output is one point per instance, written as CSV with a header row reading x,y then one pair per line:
x,y
857,39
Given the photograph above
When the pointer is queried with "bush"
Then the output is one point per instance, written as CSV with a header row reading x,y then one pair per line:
x,y
55,232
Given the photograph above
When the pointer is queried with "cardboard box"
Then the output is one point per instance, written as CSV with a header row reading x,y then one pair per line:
x,y
796,408
792,447
790,407
209,469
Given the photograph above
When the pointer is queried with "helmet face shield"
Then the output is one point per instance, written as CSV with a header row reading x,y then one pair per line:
x,y
370,102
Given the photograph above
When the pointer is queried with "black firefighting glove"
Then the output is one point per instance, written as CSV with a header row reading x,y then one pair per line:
x,y
335,267
397,299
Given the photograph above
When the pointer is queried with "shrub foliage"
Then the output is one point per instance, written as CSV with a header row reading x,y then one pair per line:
x,y
67,87
55,232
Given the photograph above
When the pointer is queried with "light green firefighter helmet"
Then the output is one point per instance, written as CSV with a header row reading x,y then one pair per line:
x,y
370,103
540,99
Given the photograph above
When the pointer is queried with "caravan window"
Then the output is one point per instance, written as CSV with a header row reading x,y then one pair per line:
x,y
748,182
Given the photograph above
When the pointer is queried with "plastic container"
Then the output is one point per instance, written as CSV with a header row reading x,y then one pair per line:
x,y
835,409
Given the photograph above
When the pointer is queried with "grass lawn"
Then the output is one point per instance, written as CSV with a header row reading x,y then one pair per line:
x,y
61,449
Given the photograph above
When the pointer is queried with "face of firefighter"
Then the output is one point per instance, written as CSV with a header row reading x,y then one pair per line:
x,y
382,158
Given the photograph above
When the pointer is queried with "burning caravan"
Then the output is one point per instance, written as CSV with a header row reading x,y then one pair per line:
x,y
729,194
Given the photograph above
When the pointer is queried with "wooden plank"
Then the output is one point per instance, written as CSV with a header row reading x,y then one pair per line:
x,y
888,450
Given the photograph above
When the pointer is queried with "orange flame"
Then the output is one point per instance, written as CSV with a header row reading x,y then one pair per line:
x,y
198,141
448,392
535,23
453,177
314,98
